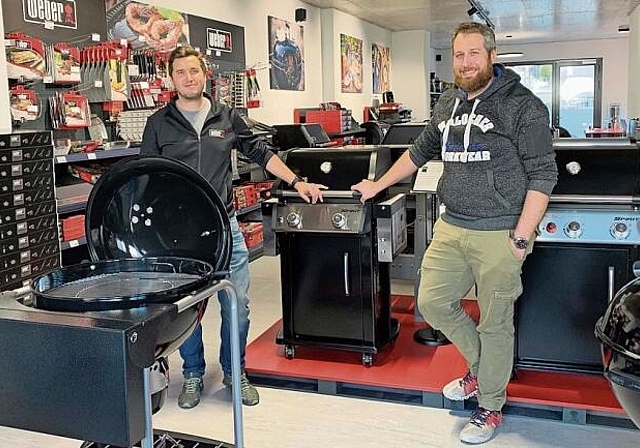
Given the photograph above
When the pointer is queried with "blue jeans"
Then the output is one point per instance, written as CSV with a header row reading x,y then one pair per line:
x,y
192,350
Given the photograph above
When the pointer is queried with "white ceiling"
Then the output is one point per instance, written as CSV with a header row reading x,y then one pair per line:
x,y
527,21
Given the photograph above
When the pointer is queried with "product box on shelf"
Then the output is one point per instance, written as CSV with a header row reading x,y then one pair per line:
x,y
252,233
25,140
73,228
8,215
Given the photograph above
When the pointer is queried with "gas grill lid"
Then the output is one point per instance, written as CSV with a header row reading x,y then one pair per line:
x,y
338,168
157,207
597,167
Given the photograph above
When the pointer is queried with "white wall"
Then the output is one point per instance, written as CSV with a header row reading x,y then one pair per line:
x,y
277,105
410,60
335,23
634,65
615,64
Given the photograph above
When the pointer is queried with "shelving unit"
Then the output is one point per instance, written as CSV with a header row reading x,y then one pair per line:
x,y
97,155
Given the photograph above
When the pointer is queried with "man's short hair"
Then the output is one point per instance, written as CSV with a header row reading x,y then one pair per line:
x,y
476,28
185,51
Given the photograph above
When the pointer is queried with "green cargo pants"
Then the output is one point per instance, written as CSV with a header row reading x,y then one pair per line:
x,y
455,260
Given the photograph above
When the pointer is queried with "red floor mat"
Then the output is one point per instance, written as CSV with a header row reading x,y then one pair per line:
x,y
407,365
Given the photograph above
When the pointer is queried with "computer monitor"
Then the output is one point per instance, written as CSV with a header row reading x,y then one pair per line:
x,y
301,135
403,133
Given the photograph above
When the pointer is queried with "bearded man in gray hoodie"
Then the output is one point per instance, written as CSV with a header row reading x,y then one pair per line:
x,y
494,139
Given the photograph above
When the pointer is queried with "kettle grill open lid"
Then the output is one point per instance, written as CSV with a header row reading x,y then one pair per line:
x,y
149,206
156,231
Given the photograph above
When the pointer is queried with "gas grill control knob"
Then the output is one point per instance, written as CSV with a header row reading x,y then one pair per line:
x,y
619,230
293,219
338,220
573,229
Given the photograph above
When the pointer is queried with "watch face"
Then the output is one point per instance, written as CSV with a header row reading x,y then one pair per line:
x,y
520,243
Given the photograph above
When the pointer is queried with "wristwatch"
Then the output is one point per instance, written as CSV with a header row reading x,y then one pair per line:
x,y
296,180
520,242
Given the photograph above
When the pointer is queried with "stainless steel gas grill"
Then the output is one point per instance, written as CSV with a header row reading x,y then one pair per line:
x,y
335,255
587,243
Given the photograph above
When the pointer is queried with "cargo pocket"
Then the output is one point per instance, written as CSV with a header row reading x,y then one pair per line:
x,y
499,316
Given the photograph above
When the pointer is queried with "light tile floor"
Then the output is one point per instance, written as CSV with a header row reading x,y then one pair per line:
x,y
291,419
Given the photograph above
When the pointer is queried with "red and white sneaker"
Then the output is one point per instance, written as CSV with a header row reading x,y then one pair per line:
x,y
481,427
461,388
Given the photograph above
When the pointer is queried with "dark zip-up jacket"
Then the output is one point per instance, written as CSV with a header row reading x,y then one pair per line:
x,y
494,148
169,133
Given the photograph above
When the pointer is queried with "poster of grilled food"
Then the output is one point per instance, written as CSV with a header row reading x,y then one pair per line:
x,y
146,26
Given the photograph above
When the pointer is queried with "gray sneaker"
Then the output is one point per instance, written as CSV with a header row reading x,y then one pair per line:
x,y
191,390
250,396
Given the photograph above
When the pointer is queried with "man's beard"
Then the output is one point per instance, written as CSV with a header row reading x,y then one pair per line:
x,y
476,83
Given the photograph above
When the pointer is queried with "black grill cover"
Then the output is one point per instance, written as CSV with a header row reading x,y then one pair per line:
x,y
619,332
339,168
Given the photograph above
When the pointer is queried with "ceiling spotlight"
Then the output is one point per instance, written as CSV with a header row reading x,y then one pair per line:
x,y
514,54
624,29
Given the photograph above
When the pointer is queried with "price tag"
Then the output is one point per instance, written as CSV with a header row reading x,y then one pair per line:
x,y
95,37
49,25
47,80
91,156
74,243
61,159
97,83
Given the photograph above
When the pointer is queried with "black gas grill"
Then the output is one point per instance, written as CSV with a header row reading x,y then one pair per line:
x,y
586,245
335,254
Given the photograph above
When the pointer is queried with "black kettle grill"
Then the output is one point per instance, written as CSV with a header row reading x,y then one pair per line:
x,y
78,354
619,332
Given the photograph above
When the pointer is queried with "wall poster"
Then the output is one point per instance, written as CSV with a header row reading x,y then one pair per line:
x,y
286,55
351,63
380,67
146,26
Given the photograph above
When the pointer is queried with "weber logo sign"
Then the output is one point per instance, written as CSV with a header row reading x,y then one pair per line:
x,y
51,13
219,40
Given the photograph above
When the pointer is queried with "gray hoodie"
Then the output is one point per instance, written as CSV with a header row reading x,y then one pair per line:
x,y
495,148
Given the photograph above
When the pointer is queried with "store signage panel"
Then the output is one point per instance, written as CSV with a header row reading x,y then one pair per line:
x,y
56,13
219,40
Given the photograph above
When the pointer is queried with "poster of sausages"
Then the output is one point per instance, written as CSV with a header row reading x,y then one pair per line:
x,y
146,26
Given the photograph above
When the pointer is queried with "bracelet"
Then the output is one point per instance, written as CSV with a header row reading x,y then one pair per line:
x,y
296,180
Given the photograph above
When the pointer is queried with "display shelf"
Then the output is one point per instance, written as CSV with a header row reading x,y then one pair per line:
x,y
73,198
97,155
247,210
64,245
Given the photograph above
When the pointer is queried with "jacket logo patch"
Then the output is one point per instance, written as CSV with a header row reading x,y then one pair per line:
x,y
217,133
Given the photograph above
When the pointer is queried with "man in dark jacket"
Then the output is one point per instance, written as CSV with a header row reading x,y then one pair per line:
x,y
201,133
499,169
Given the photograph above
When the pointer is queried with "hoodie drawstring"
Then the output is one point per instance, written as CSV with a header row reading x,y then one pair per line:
x,y
467,129
445,134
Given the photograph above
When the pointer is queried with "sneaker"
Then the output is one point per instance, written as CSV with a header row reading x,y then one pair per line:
x,y
191,390
481,427
250,396
461,388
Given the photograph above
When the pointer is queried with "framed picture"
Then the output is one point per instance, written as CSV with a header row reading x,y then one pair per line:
x,y
286,55
380,67
351,63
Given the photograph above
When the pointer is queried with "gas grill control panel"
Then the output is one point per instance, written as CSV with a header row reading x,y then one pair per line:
x,y
590,225
343,218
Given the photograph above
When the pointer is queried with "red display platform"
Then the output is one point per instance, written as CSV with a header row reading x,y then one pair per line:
x,y
407,367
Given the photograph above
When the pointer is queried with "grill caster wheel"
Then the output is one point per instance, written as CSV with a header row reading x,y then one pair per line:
x,y
367,359
289,351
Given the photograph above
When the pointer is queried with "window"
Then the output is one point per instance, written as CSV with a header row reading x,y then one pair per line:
x,y
570,89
